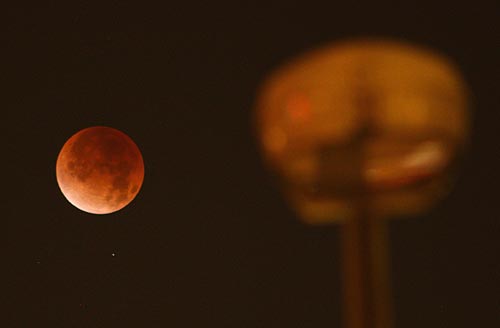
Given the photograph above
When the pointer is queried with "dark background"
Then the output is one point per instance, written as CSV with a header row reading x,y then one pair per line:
x,y
209,242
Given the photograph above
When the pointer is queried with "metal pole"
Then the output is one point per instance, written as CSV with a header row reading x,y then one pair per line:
x,y
365,262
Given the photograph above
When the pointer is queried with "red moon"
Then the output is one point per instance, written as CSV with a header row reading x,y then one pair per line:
x,y
100,170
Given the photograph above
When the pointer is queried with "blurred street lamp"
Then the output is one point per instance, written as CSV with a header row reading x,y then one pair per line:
x,y
359,132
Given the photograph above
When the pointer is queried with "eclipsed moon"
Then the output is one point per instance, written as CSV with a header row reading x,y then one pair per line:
x,y
100,170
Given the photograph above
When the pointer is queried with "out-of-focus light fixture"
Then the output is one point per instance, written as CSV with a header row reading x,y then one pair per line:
x,y
358,132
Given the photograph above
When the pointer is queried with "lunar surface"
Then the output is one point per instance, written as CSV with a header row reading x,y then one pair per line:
x,y
100,170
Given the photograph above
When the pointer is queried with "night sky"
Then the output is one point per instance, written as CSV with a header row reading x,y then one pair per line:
x,y
209,242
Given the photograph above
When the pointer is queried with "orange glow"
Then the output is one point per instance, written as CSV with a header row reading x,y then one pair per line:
x,y
298,108
382,119
100,170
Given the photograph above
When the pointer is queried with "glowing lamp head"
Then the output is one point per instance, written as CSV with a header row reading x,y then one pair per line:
x,y
374,121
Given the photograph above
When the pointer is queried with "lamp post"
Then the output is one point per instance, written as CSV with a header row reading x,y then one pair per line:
x,y
359,132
